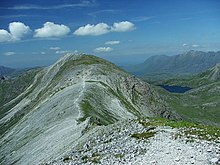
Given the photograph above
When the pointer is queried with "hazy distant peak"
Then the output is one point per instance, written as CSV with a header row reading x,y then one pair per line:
x,y
191,62
5,70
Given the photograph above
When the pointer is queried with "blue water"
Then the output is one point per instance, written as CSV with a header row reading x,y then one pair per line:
x,y
175,89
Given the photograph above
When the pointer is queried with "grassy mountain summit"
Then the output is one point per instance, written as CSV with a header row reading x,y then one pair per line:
x,y
65,100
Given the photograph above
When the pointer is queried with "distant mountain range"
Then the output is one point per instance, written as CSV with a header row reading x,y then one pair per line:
x,y
188,63
5,70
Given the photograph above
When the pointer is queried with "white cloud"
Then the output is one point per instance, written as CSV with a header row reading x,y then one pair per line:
x,y
54,48
109,11
5,36
62,51
112,42
123,26
84,3
51,29
103,28
142,18
18,30
195,46
185,45
9,53
93,30
102,49
42,53
66,51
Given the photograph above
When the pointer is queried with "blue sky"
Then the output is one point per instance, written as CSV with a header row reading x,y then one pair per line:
x,y
37,33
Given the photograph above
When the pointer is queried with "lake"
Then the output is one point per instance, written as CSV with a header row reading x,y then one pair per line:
x,y
175,89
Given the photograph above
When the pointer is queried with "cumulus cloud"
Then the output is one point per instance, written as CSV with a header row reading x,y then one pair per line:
x,y
93,30
112,42
103,49
103,28
51,29
9,53
54,48
123,26
17,30
185,45
5,36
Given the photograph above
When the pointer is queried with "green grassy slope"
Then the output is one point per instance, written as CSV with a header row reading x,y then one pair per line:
x,y
201,104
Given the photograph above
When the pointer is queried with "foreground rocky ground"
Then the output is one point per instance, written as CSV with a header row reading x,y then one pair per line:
x,y
146,142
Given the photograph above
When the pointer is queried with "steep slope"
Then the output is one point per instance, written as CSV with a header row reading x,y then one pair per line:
x,y
192,62
11,87
5,70
202,103
66,100
214,73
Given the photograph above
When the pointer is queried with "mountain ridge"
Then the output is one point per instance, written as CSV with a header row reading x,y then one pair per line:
x,y
77,93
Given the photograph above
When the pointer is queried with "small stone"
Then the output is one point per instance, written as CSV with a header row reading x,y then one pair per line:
x,y
209,150
177,159
153,162
214,160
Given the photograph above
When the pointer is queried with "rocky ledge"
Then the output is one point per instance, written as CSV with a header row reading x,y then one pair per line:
x,y
138,142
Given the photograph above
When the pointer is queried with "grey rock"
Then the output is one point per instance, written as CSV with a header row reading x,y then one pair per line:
x,y
214,160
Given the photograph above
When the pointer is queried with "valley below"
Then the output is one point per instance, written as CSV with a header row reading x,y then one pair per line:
x,y
202,102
